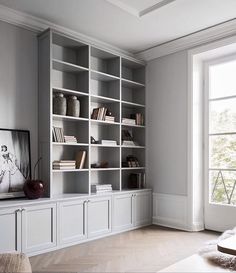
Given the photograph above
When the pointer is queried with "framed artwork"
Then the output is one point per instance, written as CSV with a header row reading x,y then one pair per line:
x,y
15,162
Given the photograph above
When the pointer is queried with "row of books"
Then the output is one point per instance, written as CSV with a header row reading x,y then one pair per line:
x,y
139,118
71,164
58,136
101,114
96,188
131,162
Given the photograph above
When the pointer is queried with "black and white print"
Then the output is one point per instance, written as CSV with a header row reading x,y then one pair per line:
x,y
14,162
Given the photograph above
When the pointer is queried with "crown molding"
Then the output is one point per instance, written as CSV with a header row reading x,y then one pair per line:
x,y
37,25
205,36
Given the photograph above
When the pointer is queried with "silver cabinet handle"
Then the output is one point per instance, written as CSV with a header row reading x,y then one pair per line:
x,y
23,209
18,210
88,201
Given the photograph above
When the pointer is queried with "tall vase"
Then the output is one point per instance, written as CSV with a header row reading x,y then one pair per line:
x,y
59,104
73,106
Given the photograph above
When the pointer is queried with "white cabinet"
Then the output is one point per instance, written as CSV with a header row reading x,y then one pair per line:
x,y
143,208
10,230
72,221
28,229
99,216
123,212
131,210
38,228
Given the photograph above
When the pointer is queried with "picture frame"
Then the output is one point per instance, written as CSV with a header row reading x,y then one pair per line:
x,y
15,162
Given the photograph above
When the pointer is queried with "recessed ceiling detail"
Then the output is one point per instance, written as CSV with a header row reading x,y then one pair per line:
x,y
140,8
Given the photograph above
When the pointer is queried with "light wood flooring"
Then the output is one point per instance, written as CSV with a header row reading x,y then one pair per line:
x,y
149,249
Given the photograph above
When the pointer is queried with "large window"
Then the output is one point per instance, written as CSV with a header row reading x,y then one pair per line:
x,y
221,132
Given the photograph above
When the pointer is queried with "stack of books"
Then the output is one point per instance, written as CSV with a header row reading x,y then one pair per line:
x,y
70,139
80,159
128,143
64,165
107,142
129,121
58,134
96,188
100,114
131,162
139,118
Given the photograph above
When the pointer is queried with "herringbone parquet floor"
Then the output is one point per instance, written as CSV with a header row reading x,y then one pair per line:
x,y
148,249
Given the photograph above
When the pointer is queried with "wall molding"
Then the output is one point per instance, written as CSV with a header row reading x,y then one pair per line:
x,y
37,25
207,35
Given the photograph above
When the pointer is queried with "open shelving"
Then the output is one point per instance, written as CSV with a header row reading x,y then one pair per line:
x,y
99,79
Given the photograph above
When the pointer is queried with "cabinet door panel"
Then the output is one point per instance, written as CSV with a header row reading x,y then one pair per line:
x,y
38,228
123,213
99,216
10,230
143,208
72,220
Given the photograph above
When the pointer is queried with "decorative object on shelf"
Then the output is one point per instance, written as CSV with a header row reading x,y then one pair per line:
x,y
127,138
34,188
103,164
92,140
58,134
102,113
70,139
136,180
103,188
64,165
15,162
73,106
80,159
131,162
59,104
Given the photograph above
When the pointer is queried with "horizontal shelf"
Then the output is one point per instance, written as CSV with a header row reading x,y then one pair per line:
x,y
133,168
67,67
95,98
69,144
132,104
133,147
106,146
59,117
102,122
70,92
104,169
132,125
68,171
131,84
100,76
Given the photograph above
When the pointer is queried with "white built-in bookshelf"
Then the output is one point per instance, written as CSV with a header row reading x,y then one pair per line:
x,y
99,79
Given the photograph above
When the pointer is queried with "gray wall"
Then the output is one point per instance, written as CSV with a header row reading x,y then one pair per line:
x,y
167,124
18,81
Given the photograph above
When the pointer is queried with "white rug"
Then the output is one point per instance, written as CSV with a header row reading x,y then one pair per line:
x,y
210,252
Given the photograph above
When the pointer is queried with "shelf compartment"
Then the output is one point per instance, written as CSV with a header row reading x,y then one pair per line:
x,y
76,182
105,62
112,106
126,176
107,132
71,81
106,177
111,155
138,153
133,94
128,110
137,134
79,129
133,72
69,50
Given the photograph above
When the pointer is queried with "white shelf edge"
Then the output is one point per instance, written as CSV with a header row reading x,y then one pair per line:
x,y
68,171
69,144
133,147
74,66
104,74
133,104
104,169
132,168
133,82
106,146
104,98
69,118
104,122
132,125
70,91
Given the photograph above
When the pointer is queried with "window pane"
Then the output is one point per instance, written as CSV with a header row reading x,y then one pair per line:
x,y
222,187
222,152
222,116
222,80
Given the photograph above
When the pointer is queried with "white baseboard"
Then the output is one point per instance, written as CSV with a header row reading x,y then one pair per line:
x,y
170,211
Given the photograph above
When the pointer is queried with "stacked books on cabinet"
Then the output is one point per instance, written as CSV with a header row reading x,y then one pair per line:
x,y
110,93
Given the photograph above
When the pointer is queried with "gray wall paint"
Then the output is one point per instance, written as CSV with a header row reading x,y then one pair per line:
x,y
19,82
167,124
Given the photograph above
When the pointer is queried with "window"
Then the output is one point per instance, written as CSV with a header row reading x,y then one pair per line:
x,y
221,131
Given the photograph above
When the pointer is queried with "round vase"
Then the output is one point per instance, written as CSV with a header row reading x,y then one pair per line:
x,y
73,106
59,104
33,189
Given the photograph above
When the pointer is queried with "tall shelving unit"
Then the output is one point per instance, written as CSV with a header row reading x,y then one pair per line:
x,y
99,79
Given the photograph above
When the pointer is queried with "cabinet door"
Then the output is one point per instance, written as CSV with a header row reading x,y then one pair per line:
x,y
10,230
99,216
38,228
143,208
72,221
123,212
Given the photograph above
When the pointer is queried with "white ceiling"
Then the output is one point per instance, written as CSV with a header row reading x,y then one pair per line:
x,y
121,22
